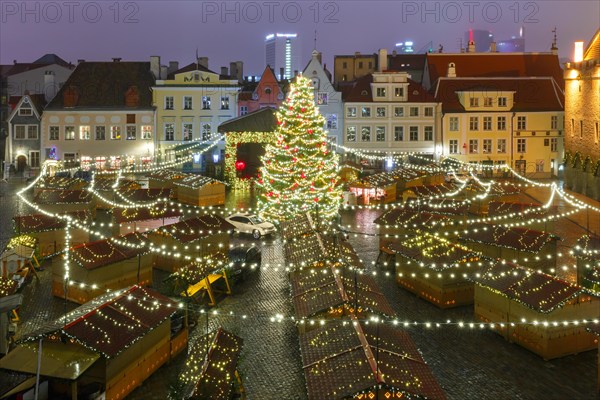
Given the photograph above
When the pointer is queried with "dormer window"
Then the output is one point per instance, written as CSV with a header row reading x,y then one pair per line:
x,y
474,102
364,93
381,92
322,98
399,92
25,111
501,101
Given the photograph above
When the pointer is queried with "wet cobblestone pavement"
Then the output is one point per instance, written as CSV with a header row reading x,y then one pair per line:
x,y
468,363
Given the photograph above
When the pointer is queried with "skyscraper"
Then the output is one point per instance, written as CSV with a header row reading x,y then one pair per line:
x,y
282,50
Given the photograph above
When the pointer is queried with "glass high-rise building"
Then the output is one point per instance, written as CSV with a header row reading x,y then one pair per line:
x,y
282,50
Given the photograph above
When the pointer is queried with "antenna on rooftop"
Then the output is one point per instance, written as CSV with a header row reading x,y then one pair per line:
x,y
315,40
554,41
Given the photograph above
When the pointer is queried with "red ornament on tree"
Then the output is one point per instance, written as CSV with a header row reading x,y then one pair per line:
x,y
310,131
240,165
316,199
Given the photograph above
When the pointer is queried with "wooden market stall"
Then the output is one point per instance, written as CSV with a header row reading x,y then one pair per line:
x,y
587,254
435,269
199,190
531,248
142,219
165,178
18,260
58,183
62,201
107,186
507,293
211,373
79,357
50,231
432,191
535,214
386,187
482,193
188,240
347,359
203,278
103,265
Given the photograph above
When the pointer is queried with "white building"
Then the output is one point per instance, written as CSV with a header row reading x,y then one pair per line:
x,y
282,50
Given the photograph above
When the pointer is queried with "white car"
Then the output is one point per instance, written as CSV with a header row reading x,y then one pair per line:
x,y
249,223
458,177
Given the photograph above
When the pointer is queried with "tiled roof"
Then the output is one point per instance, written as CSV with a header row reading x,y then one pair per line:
x,y
261,120
144,195
432,190
440,206
521,239
105,252
340,361
63,197
301,225
188,68
532,94
359,91
107,183
59,182
196,228
42,222
51,58
524,210
487,65
139,309
166,175
159,211
37,100
102,85
433,252
410,218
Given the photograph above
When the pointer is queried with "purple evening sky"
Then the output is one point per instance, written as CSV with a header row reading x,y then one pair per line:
x,y
229,31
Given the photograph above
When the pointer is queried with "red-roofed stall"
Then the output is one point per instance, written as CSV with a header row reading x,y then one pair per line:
x,y
62,201
127,220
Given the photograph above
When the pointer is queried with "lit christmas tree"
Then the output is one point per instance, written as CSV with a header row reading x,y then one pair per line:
x,y
299,173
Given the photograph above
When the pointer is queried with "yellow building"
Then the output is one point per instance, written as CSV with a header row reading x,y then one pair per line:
x,y
582,116
492,121
191,103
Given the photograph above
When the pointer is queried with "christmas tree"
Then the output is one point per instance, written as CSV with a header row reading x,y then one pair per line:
x,y
299,173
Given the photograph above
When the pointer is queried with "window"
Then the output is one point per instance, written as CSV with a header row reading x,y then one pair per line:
x,y
69,156
488,102
398,133
187,131
501,101
554,145
365,134
84,132
381,111
365,112
473,123
554,122
168,102
413,133
100,132
224,102
331,121
380,133
131,131
414,111
453,124
32,132
428,133
487,123
187,102
34,159
398,111
521,123
25,111
501,145
370,64
69,133
453,146
115,132
20,132
206,131
360,64
243,110
130,118
351,112
474,101
322,98
169,131
344,65
501,123
428,111
206,102
521,146
53,132
487,146
146,132
473,146
380,92
351,134
399,92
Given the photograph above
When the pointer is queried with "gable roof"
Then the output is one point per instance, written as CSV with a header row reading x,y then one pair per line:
x,y
592,51
196,228
37,101
51,58
102,85
488,65
188,68
51,196
42,222
98,254
158,211
521,239
531,94
360,91
261,120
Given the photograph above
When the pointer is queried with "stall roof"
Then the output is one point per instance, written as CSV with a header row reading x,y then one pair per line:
x,y
588,246
411,218
339,362
144,195
525,210
8,286
196,228
166,175
384,179
196,181
495,188
41,222
432,190
140,309
59,182
107,183
434,252
12,382
97,254
301,225
159,211
261,120
521,239
440,206
63,197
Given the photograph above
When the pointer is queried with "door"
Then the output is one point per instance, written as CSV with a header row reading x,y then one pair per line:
x,y
21,163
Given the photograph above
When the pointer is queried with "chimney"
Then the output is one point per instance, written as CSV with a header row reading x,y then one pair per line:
x,y
236,69
281,73
164,71
224,71
79,61
173,66
295,72
471,47
155,66
116,59
493,47
49,85
383,61
462,50
394,52
203,61
356,53
253,78
451,70
14,61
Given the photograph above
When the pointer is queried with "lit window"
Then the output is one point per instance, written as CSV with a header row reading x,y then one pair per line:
x,y
365,134
115,132
84,132
380,133
380,92
351,134
206,102
224,102
453,124
69,133
146,132
351,112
